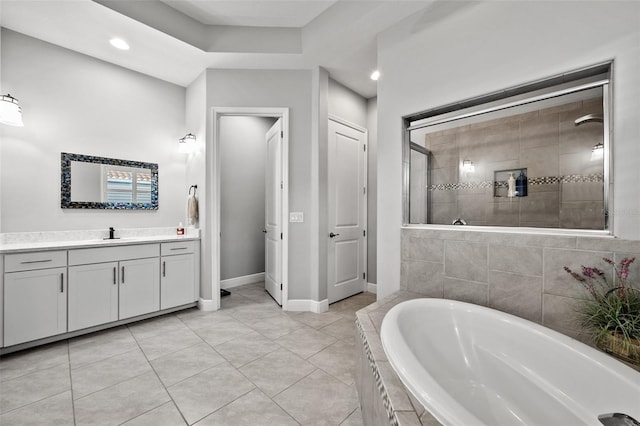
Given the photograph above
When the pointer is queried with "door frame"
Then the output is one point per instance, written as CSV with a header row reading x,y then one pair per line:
x,y
365,212
214,181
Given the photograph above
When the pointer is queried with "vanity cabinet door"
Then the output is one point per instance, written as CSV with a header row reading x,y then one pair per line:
x,y
35,305
93,295
177,282
139,287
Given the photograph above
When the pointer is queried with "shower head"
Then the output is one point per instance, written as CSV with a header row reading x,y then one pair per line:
x,y
588,118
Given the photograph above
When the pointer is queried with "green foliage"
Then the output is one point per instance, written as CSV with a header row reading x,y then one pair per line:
x,y
612,306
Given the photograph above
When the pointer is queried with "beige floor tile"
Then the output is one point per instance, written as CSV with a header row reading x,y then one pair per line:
x,y
252,409
204,393
275,325
246,348
185,363
252,312
56,410
316,320
101,345
355,419
219,333
276,371
131,373
101,374
24,390
338,360
306,342
164,415
155,326
342,329
205,319
318,399
122,402
30,360
164,344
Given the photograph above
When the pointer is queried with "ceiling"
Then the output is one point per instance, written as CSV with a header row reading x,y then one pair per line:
x,y
175,40
252,13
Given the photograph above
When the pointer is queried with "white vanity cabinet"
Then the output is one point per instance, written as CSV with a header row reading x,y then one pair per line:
x,y
177,283
107,284
93,295
35,296
73,288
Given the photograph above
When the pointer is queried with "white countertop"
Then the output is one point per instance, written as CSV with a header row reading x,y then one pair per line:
x,y
28,244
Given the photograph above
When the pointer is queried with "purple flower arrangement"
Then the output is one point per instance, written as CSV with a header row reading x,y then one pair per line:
x,y
612,307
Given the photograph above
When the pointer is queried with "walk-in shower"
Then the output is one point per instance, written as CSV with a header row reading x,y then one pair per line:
x,y
538,158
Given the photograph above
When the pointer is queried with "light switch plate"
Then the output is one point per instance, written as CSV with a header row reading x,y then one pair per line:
x,y
296,217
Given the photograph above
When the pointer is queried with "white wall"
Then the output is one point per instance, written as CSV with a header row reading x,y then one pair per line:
x,y
347,104
196,123
242,196
279,88
78,104
372,184
488,46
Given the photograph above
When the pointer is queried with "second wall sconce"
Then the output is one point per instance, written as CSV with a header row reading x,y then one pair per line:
x,y
10,111
187,144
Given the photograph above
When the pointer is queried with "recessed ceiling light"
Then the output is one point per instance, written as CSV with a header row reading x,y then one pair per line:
x,y
375,75
118,43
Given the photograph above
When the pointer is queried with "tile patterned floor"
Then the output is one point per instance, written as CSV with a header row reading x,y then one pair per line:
x,y
249,363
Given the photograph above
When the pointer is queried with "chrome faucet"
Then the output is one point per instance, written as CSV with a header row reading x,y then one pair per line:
x,y
459,221
618,419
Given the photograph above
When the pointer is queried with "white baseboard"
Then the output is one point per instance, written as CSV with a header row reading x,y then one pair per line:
x,y
238,281
372,288
206,305
304,305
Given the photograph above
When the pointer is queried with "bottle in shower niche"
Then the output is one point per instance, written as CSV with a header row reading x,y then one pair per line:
x,y
511,186
521,185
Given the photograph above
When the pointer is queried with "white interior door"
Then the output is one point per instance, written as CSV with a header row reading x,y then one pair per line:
x,y
273,212
347,211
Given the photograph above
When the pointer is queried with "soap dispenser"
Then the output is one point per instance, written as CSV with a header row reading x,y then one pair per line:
x,y
521,185
511,183
180,229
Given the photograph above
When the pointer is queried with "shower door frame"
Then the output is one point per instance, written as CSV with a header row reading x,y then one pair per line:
x,y
583,79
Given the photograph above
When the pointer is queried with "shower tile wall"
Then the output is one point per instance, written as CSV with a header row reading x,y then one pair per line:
x,y
545,142
521,274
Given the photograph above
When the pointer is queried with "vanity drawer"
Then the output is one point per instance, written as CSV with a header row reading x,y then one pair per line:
x,y
181,247
35,260
112,254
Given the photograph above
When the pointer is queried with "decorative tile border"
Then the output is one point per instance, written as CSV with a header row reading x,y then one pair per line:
x,y
545,180
393,419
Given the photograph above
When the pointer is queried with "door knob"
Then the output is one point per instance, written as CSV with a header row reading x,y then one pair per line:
x,y
331,235
264,231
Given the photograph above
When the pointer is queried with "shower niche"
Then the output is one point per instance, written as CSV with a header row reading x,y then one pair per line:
x,y
501,183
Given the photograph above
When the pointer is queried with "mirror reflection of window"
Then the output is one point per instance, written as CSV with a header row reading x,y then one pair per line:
x,y
127,185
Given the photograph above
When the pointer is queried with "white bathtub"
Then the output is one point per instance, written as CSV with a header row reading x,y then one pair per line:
x,y
471,365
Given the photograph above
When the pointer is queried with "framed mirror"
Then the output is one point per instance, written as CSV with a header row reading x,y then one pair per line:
x,y
90,182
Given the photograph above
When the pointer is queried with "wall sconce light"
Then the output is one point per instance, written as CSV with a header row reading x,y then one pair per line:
x,y
597,153
10,111
187,143
468,166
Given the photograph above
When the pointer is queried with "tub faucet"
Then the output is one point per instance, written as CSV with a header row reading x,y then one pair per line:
x,y
618,419
459,221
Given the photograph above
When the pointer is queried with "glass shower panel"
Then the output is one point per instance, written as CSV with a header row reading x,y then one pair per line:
x,y
537,164
418,186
